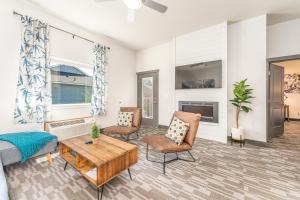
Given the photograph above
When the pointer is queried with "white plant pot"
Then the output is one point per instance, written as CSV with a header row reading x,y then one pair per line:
x,y
237,133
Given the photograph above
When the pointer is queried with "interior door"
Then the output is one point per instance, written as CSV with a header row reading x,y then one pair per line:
x,y
147,97
276,101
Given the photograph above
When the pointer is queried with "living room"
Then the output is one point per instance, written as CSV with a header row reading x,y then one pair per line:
x,y
111,58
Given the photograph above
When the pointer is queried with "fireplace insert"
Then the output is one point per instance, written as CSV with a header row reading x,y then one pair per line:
x,y
209,110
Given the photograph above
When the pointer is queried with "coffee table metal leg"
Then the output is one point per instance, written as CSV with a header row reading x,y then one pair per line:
x,y
65,166
98,190
102,188
129,173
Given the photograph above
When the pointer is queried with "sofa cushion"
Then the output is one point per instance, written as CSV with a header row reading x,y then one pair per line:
x,y
137,115
125,119
10,154
123,130
164,144
177,130
193,120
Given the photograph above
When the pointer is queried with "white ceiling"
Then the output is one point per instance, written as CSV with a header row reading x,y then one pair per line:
x,y
151,28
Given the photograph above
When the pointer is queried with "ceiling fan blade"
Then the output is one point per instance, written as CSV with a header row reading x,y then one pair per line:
x,y
155,6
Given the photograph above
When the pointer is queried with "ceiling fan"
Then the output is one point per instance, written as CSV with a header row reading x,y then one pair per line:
x,y
133,5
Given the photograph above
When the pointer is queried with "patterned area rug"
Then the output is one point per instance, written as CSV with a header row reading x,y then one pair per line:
x,y
221,172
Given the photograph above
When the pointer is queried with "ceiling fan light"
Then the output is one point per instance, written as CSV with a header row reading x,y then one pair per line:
x,y
130,16
133,4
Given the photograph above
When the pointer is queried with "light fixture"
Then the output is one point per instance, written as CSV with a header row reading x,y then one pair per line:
x,y
130,16
133,4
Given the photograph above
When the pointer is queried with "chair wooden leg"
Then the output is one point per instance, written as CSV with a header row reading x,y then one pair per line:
x,y
49,158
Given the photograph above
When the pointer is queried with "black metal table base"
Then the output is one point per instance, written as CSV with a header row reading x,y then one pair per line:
x,y
99,197
169,161
129,173
241,141
127,138
65,167
98,190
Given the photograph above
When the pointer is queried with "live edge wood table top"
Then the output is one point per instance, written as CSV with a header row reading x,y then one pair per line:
x,y
108,155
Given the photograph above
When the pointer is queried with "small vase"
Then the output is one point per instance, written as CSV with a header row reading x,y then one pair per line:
x,y
237,133
95,140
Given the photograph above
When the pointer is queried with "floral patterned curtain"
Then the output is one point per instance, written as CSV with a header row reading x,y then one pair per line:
x,y
33,87
99,81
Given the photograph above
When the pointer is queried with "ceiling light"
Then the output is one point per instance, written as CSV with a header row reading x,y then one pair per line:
x,y
133,4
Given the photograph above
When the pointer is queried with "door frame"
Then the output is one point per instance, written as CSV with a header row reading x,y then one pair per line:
x,y
269,62
137,97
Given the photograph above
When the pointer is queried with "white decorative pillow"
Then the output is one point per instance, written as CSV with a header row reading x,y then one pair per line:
x,y
125,119
177,130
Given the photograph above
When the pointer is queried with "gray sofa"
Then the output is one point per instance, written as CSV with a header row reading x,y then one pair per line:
x,y
9,154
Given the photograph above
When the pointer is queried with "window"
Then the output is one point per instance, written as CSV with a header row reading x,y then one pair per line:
x,y
71,84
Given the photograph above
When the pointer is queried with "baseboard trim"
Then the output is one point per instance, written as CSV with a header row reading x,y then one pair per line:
x,y
252,142
293,119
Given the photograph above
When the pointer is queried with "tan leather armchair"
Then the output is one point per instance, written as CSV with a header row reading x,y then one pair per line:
x,y
127,131
164,145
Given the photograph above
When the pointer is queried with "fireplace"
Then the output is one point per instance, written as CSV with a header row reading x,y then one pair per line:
x,y
208,110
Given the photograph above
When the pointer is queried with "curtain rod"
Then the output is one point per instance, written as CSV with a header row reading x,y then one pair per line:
x,y
74,35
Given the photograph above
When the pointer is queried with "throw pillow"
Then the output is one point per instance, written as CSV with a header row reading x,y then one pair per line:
x,y
125,119
177,130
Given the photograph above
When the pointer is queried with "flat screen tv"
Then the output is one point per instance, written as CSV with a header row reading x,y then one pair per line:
x,y
199,75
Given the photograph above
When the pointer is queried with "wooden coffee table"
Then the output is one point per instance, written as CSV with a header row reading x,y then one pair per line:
x,y
104,160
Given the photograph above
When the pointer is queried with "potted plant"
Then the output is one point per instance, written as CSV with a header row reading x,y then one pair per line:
x,y
95,133
242,96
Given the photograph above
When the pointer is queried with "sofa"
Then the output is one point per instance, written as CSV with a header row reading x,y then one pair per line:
x,y
9,154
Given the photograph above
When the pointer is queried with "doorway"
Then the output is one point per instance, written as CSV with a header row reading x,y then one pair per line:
x,y
147,96
283,92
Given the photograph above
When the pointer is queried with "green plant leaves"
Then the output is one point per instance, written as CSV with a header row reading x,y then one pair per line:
x,y
242,95
95,131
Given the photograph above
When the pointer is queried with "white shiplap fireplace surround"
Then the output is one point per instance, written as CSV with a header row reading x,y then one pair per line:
x,y
202,46
205,45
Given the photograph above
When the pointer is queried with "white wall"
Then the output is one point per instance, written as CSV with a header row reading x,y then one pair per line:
x,y
121,65
283,39
204,45
247,52
201,46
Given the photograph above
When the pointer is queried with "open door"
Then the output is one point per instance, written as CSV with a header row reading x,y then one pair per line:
x,y
276,101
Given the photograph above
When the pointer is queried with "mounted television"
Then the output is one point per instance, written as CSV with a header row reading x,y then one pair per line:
x,y
199,75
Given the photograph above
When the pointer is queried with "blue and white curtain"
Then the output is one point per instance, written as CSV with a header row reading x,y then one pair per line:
x,y
99,95
34,86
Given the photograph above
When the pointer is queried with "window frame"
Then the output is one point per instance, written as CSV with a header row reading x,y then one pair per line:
x,y
75,64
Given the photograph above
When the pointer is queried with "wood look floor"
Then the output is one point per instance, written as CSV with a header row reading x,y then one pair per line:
x,y
221,172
